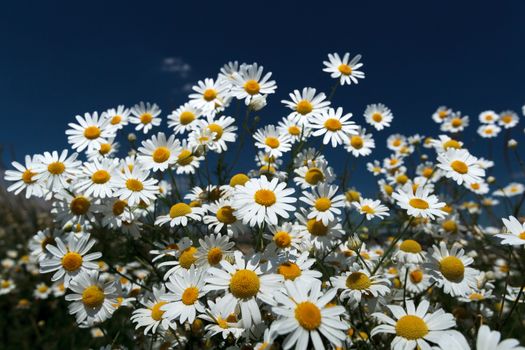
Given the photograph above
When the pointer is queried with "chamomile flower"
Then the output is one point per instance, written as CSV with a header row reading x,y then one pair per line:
x,y
335,126
145,115
69,258
305,104
250,83
114,212
184,118
73,207
54,171
24,178
450,269
229,70
150,316
516,232
490,340
346,70
185,287
135,186
303,314
284,237
187,160
455,123
419,203
223,132
260,200
90,131
508,119
295,131
221,320
98,178
158,153
92,299
272,141
324,203
409,252
179,214
460,166
104,150
488,117
315,233
371,208
314,173
6,286
489,131
213,249
417,279
360,144
209,95
378,115
42,291
37,243
511,190
444,143
244,284
118,117
297,268
441,114
415,327
375,168
480,187
223,216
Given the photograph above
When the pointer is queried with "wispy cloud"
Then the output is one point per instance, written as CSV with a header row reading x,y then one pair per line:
x,y
176,65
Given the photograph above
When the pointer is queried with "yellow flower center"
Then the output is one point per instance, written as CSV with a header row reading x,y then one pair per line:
x,y
6,284
217,129
105,148
252,87
100,177
411,327
91,132
294,130
184,158
47,240
419,203
272,142
313,176
452,268
134,185
289,270
427,172
459,167
71,261
56,168
239,179
451,144
456,122
93,297
146,118
214,256
358,281
476,296
410,246
79,205
156,312
475,186
116,120
316,228
345,69
304,107
225,215
522,235
244,284
282,239
161,154
416,276
388,189
449,226
377,117
43,288
209,95
356,141
402,179
323,204
27,176
187,257
506,119
333,124
265,197
367,209
186,117
179,209
190,295
352,196
118,207
308,315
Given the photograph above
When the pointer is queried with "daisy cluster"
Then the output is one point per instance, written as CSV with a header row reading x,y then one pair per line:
x,y
287,253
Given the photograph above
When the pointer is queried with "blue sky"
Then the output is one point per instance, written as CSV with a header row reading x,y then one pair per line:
x,y
60,59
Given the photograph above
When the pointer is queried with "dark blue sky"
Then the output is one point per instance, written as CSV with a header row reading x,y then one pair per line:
x,y
59,59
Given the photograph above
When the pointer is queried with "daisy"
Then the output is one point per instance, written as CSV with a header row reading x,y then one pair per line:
x,y
360,144
118,117
260,200
114,212
378,115
244,283
393,162
250,83
441,114
417,279
150,316
297,268
54,172
24,178
213,249
223,216
409,252
209,95
229,70
185,288
37,243
396,141
511,190
201,139
304,314
222,130
455,123
90,131
187,161
460,166
450,269
415,327
134,186
444,143
179,214
305,104
489,131
313,174
490,340
70,258
284,237
419,203
508,119
42,291
98,178
315,233
375,168
221,321
92,298
184,118
516,232
105,150
158,153
324,203
145,115
346,71
371,208
488,117
6,286
74,208
335,126
272,141
293,130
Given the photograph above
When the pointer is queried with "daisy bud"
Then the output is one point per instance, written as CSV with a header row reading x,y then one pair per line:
x,y
491,179
257,103
132,137
512,144
424,157
353,242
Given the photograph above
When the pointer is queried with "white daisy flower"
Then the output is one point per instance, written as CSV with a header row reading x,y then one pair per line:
x,y
260,200
145,115
324,203
441,114
73,208
315,233
114,212
335,126
250,83
272,141
303,314
229,70
68,259
489,131
98,178
92,298
221,320
184,118
508,119
455,123
360,144
511,190
90,131
417,279
444,143
135,186
378,115
293,130
158,153
209,95
37,244
244,283
223,216
223,131
480,187
490,340
516,232
24,178
284,237
150,316
106,149
297,268
488,117
42,291
187,161
460,166
179,214
118,117
314,173
409,252
213,249
419,202
375,168
346,70
54,171
6,286
371,208
305,104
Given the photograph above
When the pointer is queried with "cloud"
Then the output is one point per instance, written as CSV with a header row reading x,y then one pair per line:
x,y
176,65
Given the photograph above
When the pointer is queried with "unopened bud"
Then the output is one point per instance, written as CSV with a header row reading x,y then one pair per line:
x,y
257,103
512,143
353,242
132,137
491,179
